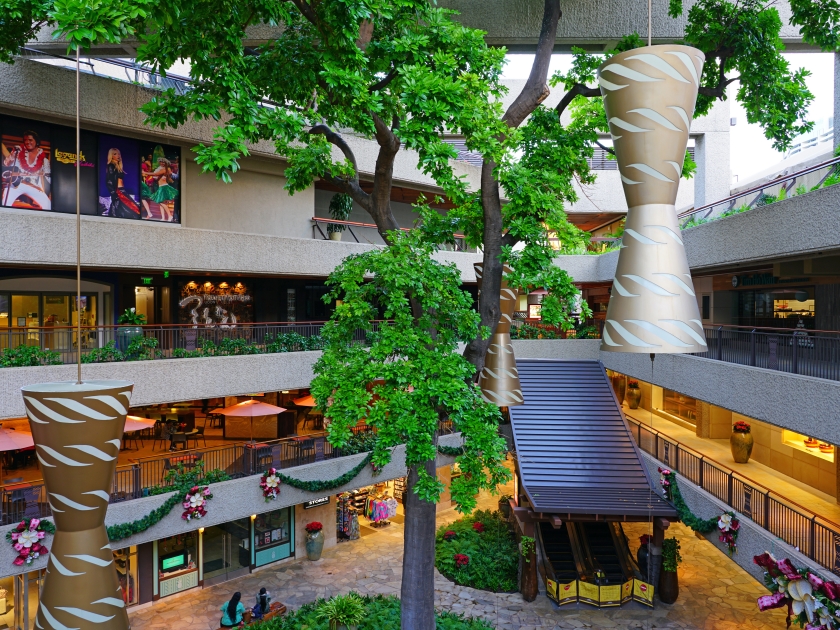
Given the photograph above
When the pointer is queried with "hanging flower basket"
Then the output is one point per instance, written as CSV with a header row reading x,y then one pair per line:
x,y
26,539
728,525
270,484
195,503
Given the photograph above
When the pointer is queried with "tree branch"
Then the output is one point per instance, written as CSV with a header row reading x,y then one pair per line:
x,y
536,89
605,148
384,82
579,89
305,10
351,186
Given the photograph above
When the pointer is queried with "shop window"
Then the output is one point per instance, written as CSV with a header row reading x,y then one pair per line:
x,y
291,306
809,445
679,406
125,562
273,536
706,306
177,569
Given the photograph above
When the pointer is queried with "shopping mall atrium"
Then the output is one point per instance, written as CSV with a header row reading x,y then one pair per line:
x,y
520,315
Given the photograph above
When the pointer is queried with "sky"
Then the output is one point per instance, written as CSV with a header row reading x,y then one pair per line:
x,y
750,151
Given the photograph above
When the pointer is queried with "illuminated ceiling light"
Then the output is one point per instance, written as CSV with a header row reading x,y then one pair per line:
x,y
649,97
224,285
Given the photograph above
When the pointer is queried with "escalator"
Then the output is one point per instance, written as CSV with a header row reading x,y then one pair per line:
x,y
602,554
557,548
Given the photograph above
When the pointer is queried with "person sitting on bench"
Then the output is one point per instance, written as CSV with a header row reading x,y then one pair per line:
x,y
232,612
263,603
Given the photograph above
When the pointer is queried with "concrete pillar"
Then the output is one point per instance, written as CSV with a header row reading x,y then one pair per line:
x,y
713,178
836,100
655,550
704,420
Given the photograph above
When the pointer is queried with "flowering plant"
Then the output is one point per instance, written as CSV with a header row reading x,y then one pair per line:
x,y
461,560
195,503
633,385
449,535
741,427
728,525
314,527
811,601
644,539
270,484
26,539
665,476
479,527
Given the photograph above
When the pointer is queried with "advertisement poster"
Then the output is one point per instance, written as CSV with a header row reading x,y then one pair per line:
x,y
208,304
567,593
627,591
26,168
588,592
643,592
551,589
119,177
64,171
611,595
160,180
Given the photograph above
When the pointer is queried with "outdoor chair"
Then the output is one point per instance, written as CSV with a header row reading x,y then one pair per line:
x,y
196,435
128,438
306,449
176,439
161,435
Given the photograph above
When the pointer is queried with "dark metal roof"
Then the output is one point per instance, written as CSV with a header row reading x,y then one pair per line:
x,y
575,451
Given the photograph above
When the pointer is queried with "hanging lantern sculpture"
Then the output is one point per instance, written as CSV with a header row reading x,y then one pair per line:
x,y
649,97
499,379
77,430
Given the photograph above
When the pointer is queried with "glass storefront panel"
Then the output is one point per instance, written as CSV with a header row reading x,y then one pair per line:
x,y
273,536
226,551
777,308
177,563
125,562
26,316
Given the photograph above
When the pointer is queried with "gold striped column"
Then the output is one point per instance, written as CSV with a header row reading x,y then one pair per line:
x,y
77,431
649,97
499,379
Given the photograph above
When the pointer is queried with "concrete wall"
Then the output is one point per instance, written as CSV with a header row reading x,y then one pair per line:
x,y
240,498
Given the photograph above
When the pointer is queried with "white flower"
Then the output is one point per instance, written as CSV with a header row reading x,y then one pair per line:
x,y
725,522
824,614
196,501
27,537
801,592
271,481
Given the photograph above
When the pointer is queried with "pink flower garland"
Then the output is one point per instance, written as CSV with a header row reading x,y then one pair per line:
x,y
26,539
728,525
195,503
270,484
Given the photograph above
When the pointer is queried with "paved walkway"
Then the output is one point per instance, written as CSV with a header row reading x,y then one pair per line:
x,y
715,594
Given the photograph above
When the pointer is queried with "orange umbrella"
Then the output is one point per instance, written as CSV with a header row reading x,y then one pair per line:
x,y
249,409
11,440
305,401
136,423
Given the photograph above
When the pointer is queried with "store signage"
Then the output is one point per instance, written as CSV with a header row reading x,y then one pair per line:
x,y
146,280
316,502
763,279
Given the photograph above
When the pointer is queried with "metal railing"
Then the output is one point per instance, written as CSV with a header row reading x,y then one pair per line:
x,y
763,194
139,478
172,340
793,350
458,246
815,536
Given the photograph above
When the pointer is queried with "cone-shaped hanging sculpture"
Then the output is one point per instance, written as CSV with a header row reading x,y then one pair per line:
x,y
499,380
77,431
649,97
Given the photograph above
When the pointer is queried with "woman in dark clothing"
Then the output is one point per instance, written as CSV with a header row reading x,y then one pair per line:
x,y
122,205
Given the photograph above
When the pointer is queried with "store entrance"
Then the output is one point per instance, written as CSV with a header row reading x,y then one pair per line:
x,y
144,301
364,511
227,551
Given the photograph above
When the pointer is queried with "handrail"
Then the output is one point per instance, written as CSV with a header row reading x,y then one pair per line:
x,y
727,469
362,225
184,326
761,187
759,328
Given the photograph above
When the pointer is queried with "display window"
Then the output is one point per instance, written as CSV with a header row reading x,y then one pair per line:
x,y
125,563
361,511
177,568
273,536
25,313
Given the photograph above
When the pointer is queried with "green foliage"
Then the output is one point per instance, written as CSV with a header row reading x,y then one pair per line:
x,y
362,442
493,554
451,451
318,485
284,342
380,613
140,348
535,331
28,356
341,205
108,353
347,610
132,317
671,557
703,526
587,332
527,545
21,21
412,375
178,480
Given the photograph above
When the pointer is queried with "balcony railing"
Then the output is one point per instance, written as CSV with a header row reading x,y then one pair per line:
x,y
137,479
784,186
369,231
793,350
812,534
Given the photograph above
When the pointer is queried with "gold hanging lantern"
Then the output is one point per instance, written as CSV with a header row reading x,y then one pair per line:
x,y
77,430
649,97
499,379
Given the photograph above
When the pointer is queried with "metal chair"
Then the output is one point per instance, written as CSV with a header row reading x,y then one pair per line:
x,y
161,434
306,449
176,439
196,435
31,498
128,438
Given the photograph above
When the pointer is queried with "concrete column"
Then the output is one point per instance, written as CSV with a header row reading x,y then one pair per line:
x,y
713,178
655,550
836,100
704,419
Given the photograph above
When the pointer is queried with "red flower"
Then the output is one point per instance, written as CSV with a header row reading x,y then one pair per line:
x,y
769,602
831,589
19,561
644,539
22,526
313,527
786,567
461,560
479,527
768,563
449,535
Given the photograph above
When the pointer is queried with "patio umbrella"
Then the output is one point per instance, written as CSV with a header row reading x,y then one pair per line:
x,y
305,401
11,440
249,409
136,423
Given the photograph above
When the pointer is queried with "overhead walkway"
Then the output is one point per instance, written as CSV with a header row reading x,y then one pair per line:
x,y
580,475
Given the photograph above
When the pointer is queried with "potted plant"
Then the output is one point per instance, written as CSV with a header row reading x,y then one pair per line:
x,y
314,540
669,587
633,395
642,554
504,505
341,205
741,442
343,612
130,327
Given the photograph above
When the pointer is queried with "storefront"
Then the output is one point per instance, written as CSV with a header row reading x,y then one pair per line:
x,y
274,534
362,511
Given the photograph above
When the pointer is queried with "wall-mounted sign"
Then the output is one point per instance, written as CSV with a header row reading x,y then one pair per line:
x,y
210,304
316,502
146,279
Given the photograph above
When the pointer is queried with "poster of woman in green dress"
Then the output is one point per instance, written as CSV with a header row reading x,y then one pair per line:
x,y
160,166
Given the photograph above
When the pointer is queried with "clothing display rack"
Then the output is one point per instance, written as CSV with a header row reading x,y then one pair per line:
x,y
399,489
347,519
379,508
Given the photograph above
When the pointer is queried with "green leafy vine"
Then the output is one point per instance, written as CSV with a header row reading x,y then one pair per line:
x,y
318,485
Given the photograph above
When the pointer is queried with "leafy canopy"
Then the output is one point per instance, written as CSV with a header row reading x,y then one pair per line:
x,y
411,376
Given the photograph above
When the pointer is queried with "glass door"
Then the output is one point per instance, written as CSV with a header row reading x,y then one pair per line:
x,y
227,551
27,596
26,317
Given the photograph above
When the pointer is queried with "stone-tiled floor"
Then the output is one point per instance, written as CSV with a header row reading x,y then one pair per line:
x,y
715,594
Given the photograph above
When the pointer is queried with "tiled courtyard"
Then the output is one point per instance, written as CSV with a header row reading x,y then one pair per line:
x,y
715,594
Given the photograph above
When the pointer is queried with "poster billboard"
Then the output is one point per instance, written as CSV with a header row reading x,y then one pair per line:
x,y
160,181
26,168
64,171
119,177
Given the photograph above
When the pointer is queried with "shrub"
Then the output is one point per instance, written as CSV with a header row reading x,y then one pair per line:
x,y
490,550
347,610
139,349
28,356
535,331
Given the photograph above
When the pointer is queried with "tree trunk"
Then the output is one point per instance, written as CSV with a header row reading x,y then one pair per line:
x,y
418,579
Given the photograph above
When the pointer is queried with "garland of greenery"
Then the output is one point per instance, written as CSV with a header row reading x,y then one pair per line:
x,y
452,451
124,530
703,526
318,485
